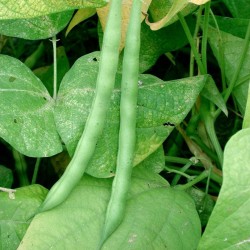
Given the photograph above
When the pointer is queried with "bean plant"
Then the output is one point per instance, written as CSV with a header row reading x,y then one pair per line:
x,y
124,124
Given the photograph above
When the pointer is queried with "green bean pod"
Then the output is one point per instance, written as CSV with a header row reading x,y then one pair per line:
x,y
96,119
127,134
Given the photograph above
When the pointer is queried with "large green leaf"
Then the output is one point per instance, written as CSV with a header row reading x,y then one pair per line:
x,y
160,104
156,217
228,227
238,8
231,48
27,9
15,214
26,111
36,28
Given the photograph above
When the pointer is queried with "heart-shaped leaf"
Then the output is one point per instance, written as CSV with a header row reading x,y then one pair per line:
x,y
161,105
156,217
26,111
228,227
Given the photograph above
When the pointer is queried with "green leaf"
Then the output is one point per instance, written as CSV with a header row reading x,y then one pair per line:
x,y
15,214
159,103
156,43
28,9
157,217
154,162
228,227
6,177
231,49
211,92
26,111
238,8
234,26
36,28
204,204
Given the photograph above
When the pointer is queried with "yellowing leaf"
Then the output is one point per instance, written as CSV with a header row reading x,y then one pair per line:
x,y
28,9
103,13
199,2
176,7
80,16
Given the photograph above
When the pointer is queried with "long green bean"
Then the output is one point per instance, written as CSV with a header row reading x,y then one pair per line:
x,y
96,119
127,135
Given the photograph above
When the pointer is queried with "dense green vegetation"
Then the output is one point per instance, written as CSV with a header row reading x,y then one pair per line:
x,y
124,129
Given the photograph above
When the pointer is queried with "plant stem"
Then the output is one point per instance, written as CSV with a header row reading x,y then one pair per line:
x,y
34,177
199,178
55,67
181,172
221,53
204,36
179,160
195,37
191,42
209,124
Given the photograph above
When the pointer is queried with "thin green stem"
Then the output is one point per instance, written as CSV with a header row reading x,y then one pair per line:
x,y
204,36
209,124
179,160
178,172
221,53
178,175
55,67
36,168
191,183
192,44
208,180
195,37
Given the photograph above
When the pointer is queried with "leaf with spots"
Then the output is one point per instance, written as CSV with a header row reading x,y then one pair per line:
x,y
26,111
28,9
15,214
159,104
36,28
